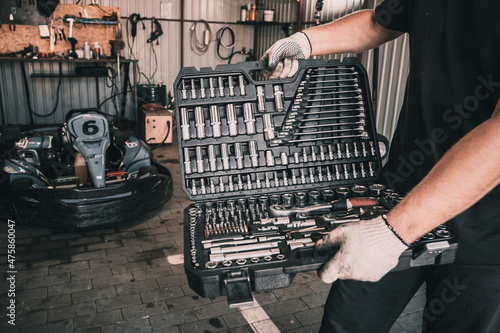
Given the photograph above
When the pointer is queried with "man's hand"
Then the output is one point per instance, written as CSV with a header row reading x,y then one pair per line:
x,y
283,56
368,250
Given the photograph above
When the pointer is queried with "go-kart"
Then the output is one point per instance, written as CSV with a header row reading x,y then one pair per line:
x,y
81,174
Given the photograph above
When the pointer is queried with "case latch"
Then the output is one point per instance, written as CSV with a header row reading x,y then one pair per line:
x,y
238,289
428,253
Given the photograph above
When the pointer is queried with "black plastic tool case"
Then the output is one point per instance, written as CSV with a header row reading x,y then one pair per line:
x,y
263,160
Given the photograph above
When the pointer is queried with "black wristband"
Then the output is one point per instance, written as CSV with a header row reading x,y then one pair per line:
x,y
384,217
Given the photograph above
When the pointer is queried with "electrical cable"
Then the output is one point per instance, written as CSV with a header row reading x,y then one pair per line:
x,y
102,10
196,46
147,78
156,62
220,43
165,138
112,78
28,101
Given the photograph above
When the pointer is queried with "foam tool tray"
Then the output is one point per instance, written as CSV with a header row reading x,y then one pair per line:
x,y
272,166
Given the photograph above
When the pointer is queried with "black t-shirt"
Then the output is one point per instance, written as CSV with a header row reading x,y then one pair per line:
x,y
453,86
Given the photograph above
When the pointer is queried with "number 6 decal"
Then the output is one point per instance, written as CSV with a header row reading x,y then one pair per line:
x,y
89,127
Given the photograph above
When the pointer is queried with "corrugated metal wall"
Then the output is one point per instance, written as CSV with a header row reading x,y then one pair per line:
x,y
74,93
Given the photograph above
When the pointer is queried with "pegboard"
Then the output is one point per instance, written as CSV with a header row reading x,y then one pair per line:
x,y
13,41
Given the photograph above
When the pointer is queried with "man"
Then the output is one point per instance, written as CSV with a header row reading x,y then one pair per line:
x,y
445,157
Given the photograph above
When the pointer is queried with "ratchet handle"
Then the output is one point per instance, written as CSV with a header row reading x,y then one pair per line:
x,y
353,203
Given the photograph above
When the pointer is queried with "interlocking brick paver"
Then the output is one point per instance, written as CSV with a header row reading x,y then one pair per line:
x,y
309,317
135,287
31,319
161,294
74,266
28,274
117,302
170,319
288,293
151,232
49,280
45,303
144,310
128,326
71,311
69,287
46,263
397,329
84,240
104,245
151,273
281,308
145,255
93,294
306,329
186,302
167,244
47,245
212,310
319,286
31,294
137,241
65,325
91,273
112,280
109,261
97,319
410,321
177,269
169,236
88,255
120,235
65,235
315,299
123,251
130,267
234,319
215,324
173,280
161,264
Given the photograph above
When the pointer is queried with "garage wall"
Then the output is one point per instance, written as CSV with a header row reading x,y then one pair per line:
x,y
74,93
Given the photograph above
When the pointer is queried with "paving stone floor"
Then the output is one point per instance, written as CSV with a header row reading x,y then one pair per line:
x,y
119,279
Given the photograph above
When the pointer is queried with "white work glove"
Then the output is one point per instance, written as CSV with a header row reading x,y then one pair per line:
x,y
368,250
283,56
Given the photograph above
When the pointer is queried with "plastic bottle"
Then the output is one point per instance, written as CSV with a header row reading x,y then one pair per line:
x,y
243,13
97,50
252,12
249,6
86,51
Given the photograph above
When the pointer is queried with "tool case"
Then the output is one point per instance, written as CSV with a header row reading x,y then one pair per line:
x,y
273,165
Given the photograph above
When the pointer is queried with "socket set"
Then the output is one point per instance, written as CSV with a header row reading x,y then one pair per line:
x,y
273,166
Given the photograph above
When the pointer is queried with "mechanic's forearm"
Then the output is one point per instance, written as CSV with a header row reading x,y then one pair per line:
x,y
467,172
353,33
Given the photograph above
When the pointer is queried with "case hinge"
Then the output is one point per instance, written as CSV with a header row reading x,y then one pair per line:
x,y
238,289
428,253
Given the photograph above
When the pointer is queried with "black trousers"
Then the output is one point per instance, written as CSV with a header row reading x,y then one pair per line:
x,y
460,298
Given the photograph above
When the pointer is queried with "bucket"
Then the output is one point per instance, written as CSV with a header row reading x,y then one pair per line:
x,y
269,15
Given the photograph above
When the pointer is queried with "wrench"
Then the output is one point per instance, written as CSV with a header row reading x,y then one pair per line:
x,y
278,210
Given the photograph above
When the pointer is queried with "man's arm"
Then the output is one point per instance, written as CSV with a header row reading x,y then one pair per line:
x,y
353,33
356,32
467,172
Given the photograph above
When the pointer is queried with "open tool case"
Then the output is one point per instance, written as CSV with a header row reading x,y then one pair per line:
x,y
273,166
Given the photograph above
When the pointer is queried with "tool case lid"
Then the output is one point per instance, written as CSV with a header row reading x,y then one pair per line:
x,y
322,132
